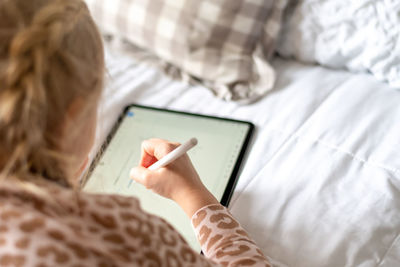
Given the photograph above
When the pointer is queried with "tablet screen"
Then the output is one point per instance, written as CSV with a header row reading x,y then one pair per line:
x,y
217,156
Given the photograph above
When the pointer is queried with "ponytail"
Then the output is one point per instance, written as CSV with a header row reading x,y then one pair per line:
x,y
40,58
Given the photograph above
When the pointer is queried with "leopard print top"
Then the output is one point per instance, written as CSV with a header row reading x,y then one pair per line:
x,y
68,228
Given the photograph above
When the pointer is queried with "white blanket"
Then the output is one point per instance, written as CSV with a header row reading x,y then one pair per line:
x,y
360,35
321,184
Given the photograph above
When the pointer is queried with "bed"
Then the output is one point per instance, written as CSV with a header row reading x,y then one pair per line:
x,y
320,185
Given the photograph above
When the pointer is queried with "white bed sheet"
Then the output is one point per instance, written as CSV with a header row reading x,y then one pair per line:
x,y
321,184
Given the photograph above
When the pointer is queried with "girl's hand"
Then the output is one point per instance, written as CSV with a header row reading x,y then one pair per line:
x,y
178,181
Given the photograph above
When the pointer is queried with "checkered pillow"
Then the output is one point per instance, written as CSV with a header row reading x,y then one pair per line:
x,y
273,27
212,41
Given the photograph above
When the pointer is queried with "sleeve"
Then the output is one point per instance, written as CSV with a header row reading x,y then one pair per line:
x,y
223,240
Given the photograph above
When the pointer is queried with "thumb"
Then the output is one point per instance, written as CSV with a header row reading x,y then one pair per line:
x,y
140,174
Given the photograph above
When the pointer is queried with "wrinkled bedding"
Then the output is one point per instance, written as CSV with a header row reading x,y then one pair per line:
x,y
362,36
321,183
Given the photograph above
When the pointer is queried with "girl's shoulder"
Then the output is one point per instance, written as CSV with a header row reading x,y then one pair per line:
x,y
58,226
54,200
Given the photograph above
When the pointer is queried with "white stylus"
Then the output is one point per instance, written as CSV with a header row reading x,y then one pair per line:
x,y
174,154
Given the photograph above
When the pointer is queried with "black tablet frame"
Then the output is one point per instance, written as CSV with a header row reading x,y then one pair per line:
x,y
226,197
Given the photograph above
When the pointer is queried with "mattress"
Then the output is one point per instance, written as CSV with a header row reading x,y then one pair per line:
x,y
320,185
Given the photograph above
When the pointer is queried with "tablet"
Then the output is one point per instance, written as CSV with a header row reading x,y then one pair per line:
x,y
217,158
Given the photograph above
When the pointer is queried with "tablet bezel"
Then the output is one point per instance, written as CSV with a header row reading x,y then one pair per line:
x,y
228,192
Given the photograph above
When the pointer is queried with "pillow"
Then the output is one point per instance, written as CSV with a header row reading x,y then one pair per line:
x,y
214,42
272,28
359,35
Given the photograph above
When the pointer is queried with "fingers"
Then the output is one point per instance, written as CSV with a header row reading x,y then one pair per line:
x,y
140,175
146,159
154,149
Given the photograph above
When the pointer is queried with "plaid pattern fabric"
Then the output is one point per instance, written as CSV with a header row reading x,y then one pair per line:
x,y
212,41
272,27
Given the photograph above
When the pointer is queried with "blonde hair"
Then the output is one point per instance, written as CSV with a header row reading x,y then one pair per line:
x,y
50,54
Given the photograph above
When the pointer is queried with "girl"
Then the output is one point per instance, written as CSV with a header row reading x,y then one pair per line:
x,y
51,78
